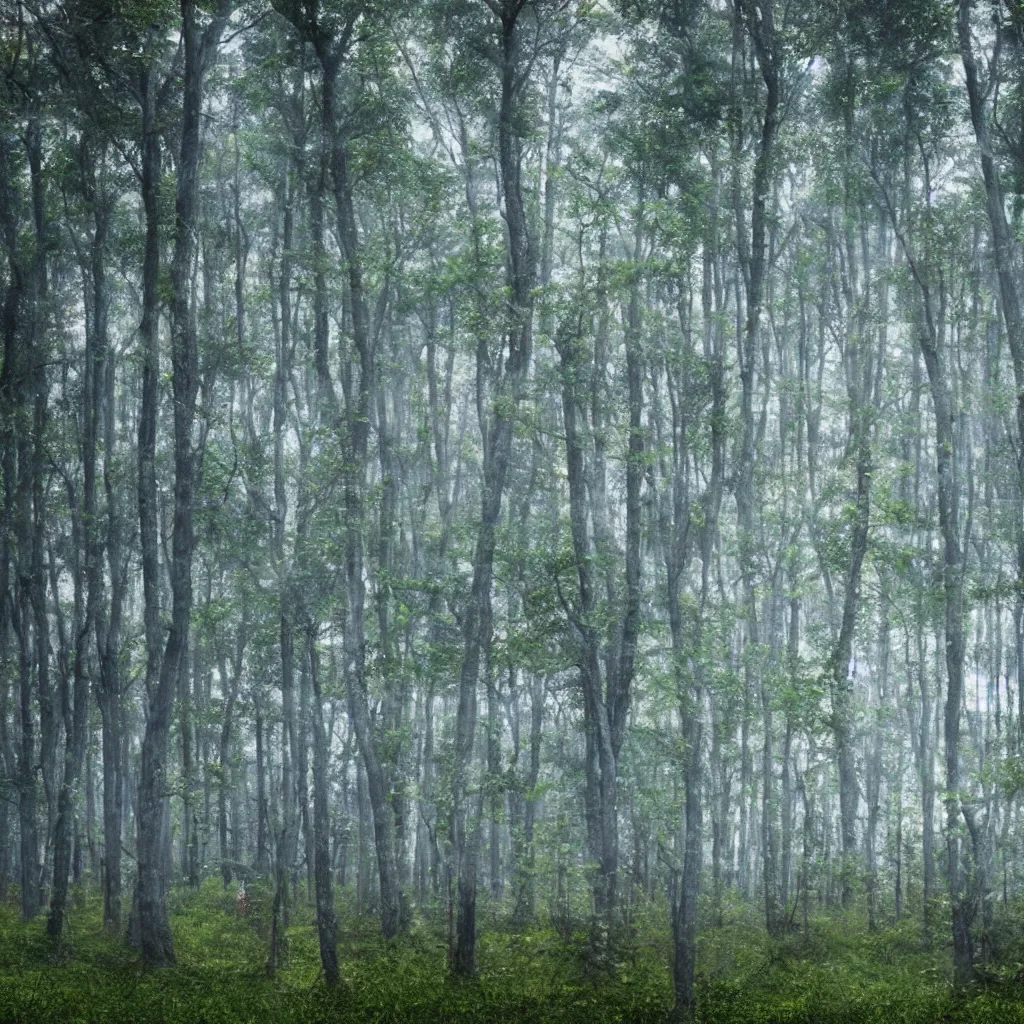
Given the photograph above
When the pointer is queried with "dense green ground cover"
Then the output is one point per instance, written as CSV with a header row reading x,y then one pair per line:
x,y
844,974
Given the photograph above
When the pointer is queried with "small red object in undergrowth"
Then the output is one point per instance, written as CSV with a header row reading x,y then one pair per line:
x,y
242,902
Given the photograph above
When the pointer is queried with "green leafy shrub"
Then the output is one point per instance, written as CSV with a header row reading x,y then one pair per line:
x,y
843,975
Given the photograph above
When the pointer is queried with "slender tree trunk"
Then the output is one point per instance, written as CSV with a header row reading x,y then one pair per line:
x,y
76,709
262,809
497,429
356,429
147,491
154,930
931,341
758,19
109,696
326,922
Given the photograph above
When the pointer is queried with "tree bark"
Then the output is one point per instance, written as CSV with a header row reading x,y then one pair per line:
x,y
326,922
76,708
154,931
497,430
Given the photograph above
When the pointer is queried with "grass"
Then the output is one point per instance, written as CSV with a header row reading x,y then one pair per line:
x,y
844,975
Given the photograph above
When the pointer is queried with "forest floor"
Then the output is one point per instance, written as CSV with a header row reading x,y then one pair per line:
x,y
843,974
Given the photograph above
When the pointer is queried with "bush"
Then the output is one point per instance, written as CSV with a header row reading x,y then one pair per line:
x,y
843,975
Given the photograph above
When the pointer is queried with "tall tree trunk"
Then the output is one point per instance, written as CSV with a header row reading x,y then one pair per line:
x,y
758,19
230,687
931,341
35,465
326,922
287,843
331,52
147,491
262,809
154,930
76,709
14,387
497,430
108,642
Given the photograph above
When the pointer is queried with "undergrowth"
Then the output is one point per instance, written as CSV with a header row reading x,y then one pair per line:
x,y
841,973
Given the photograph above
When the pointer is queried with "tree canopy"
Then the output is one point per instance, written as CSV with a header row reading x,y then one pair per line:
x,y
514,461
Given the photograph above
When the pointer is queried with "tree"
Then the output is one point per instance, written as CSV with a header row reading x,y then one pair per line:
x,y
199,49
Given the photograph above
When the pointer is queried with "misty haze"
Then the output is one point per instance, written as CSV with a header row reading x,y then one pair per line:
x,y
512,511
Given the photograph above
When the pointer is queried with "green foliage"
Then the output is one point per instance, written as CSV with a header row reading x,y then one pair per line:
x,y
843,974
221,976
1012,775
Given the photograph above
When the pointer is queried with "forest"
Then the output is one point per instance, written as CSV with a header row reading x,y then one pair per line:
x,y
512,510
